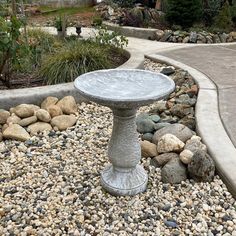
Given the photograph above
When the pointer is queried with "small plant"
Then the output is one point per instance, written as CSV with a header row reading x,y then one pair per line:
x,y
111,38
60,21
97,21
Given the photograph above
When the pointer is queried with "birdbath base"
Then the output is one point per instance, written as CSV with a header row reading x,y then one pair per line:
x,y
132,182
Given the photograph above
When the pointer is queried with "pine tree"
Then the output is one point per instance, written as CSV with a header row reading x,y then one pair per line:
x,y
183,12
223,20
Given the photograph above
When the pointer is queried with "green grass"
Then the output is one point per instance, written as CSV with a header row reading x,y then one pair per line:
x,y
47,10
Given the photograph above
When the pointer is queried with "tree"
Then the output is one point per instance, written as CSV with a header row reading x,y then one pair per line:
x,y
183,12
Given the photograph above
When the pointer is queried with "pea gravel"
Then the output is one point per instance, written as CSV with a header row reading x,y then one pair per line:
x,y
50,185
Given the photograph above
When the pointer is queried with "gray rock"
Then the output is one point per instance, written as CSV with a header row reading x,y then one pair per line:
x,y
186,39
166,36
169,70
193,37
180,131
147,136
202,167
145,125
195,145
188,121
223,37
161,125
185,99
159,34
181,110
154,118
216,38
162,159
27,121
173,172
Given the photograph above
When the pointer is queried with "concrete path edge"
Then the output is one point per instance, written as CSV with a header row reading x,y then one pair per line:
x,y
13,97
209,124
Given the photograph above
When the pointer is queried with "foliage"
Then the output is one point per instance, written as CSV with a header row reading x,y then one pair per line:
x,y
97,21
183,12
59,21
124,3
223,20
111,38
73,59
210,11
9,45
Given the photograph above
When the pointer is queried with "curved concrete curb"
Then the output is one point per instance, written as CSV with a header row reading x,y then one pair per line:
x,y
209,125
11,98
129,31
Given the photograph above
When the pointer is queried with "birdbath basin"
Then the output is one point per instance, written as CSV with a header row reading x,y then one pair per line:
x,y
124,91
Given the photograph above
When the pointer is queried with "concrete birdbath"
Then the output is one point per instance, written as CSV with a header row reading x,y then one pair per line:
x,y
124,91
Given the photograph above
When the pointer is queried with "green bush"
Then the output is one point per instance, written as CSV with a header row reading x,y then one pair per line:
x,y
124,3
73,59
223,20
183,12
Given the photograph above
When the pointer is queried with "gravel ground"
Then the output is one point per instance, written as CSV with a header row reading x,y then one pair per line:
x,y
50,186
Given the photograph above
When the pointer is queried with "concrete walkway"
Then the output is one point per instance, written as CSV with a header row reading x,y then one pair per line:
x,y
219,64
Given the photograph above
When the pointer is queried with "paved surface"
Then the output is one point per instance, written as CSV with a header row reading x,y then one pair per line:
x,y
219,64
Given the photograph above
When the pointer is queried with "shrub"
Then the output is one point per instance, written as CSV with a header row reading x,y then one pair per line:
x,y
75,58
223,20
183,12
124,3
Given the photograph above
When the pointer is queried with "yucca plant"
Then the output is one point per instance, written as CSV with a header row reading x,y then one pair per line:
x,y
73,59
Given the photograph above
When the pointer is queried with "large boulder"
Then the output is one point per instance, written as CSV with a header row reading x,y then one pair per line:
x,y
202,167
39,127
169,143
180,131
16,132
63,122
68,105
162,159
4,115
148,149
24,110
43,115
49,101
174,172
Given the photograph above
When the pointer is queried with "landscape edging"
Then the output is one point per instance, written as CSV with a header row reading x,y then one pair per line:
x,y
35,95
209,124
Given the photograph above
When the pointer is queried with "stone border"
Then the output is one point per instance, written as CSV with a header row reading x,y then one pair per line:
x,y
13,97
209,124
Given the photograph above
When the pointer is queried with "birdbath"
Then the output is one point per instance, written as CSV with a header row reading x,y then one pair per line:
x,y
124,91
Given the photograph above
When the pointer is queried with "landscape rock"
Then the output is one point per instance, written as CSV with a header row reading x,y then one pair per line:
x,y
193,37
202,167
16,132
27,121
49,101
4,127
181,110
63,122
148,149
161,125
4,115
43,115
68,105
145,125
1,136
34,107
173,172
188,121
161,159
180,131
39,127
24,110
169,143
194,145
169,70
54,110
186,156
13,119
147,136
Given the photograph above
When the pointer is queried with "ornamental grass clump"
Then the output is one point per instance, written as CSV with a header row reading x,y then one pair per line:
x,y
73,59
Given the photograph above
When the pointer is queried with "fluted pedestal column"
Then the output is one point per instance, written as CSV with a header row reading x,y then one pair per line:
x,y
124,176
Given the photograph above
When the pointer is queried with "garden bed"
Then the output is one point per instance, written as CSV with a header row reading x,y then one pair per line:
x,y
51,185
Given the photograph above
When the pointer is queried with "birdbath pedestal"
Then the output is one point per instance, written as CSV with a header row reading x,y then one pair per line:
x,y
124,91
